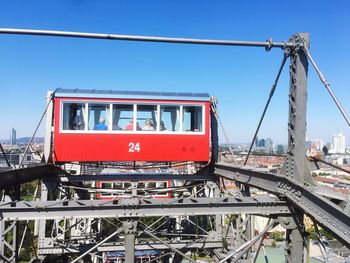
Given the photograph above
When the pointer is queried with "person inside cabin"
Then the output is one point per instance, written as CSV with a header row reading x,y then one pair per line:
x,y
101,125
148,126
75,121
130,126
162,126
116,127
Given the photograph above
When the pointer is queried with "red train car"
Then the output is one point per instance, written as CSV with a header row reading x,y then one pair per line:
x,y
94,126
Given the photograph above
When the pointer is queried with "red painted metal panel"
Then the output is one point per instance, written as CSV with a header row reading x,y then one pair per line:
x,y
92,147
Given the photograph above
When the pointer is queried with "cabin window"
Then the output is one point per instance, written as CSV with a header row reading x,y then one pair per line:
x,y
150,185
123,116
192,119
147,117
118,185
112,117
169,118
127,185
106,185
161,185
99,117
74,116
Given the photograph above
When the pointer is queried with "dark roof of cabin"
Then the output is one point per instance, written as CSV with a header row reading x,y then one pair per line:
x,y
118,94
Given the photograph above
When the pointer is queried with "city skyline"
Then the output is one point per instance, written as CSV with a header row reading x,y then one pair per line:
x,y
257,140
241,78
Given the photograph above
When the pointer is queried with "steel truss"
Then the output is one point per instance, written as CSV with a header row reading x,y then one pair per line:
x,y
135,207
200,219
326,213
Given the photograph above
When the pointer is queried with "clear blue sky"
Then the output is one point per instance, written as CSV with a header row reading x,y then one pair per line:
x,y
240,77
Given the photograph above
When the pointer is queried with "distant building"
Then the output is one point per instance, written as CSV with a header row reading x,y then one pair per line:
x,y
317,144
269,145
13,137
338,142
308,145
280,149
256,141
261,143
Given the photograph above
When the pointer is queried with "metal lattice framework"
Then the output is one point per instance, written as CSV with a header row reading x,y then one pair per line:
x,y
201,218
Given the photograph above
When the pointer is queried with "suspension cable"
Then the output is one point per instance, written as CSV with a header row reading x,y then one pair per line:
x,y
36,129
272,91
327,85
216,114
315,159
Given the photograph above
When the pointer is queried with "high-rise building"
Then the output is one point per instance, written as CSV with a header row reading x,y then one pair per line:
x,y
280,149
338,142
13,137
261,143
269,145
256,141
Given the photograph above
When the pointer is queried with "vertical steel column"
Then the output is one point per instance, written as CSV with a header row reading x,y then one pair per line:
x,y
296,168
129,230
218,217
9,232
42,241
48,128
2,240
295,246
214,132
296,162
130,248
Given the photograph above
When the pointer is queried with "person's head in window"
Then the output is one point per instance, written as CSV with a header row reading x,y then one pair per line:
x,y
130,126
101,125
148,125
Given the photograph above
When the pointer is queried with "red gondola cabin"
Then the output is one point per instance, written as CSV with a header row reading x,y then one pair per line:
x,y
94,126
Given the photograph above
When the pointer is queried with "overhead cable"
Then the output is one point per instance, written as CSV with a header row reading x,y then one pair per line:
x,y
327,85
272,91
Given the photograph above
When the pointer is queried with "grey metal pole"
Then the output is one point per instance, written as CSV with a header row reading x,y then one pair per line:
x,y
130,247
296,168
267,44
296,162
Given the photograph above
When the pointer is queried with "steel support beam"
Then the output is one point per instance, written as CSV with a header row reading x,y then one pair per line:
x,y
189,244
296,168
296,161
129,230
134,208
326,213
135,177
23,175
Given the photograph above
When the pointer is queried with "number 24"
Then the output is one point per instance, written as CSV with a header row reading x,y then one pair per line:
x,y
134,147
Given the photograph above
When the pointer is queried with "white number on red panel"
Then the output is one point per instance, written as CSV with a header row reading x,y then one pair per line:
x,y
134,147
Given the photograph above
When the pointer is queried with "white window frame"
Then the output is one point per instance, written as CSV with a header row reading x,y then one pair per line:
x,y
134,131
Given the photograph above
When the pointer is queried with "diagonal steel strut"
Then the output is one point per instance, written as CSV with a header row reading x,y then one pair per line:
x,y
326,213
